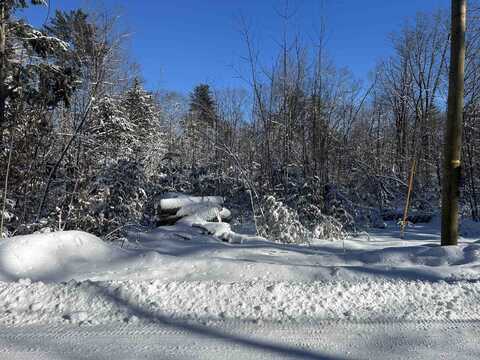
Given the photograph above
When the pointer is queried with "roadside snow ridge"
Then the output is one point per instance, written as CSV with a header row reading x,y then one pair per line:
x,y
88,302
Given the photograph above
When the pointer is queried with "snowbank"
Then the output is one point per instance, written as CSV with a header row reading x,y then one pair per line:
x,y
143,301
54,256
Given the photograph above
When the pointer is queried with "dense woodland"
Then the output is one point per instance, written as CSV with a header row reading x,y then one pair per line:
x,y
85,146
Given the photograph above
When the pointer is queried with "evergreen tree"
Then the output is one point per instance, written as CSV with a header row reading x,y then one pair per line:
x,y
142,113
44,80
202,105
77,30
34,82
200,126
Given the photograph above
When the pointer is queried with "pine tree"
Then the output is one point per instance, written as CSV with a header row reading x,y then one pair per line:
x,y
148,139
34,82
201,127
125,125
21,80
202,105
141,113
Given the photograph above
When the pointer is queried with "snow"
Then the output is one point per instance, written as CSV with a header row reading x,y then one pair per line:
x,y
108,302
178,202
212,341
185,273
54,256
203,211
182,253
200,213
219,230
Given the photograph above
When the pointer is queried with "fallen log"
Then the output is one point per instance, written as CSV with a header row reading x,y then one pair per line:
x,y
174,204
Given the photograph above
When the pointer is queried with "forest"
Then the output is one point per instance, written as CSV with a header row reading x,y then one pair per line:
x,y
305,150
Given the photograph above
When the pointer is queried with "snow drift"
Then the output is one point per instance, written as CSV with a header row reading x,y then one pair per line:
x,y
54,256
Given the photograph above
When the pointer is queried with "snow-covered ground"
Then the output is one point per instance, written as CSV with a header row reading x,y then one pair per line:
x,y
183,275
185,253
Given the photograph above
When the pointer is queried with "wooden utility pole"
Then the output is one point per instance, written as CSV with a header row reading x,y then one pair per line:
x,y
453,132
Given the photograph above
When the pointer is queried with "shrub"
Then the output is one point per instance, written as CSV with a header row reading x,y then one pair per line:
x,y
281,223
117,198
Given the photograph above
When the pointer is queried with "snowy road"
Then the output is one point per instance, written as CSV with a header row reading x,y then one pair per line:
x,y
321,340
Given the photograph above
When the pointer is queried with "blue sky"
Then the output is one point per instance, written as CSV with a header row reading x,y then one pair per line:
x,y
181,43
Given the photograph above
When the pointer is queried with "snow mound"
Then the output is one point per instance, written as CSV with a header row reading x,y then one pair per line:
x,y
53,256
205,211
219,230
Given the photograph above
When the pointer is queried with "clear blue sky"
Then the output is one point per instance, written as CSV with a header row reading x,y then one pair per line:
x,y
180,43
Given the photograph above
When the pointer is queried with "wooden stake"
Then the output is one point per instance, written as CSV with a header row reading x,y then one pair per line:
x,y
407,203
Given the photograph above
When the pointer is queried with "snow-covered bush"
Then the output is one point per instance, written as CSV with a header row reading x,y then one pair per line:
x,y
282,224
329,228
323,226
8,216
117,198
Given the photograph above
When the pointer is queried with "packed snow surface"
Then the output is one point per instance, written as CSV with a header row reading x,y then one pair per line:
x,y
246,340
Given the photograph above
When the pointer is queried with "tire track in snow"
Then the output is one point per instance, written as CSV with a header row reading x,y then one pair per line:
x,y
324,339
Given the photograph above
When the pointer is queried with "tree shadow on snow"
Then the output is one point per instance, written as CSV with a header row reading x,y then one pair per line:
x,y
216,334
